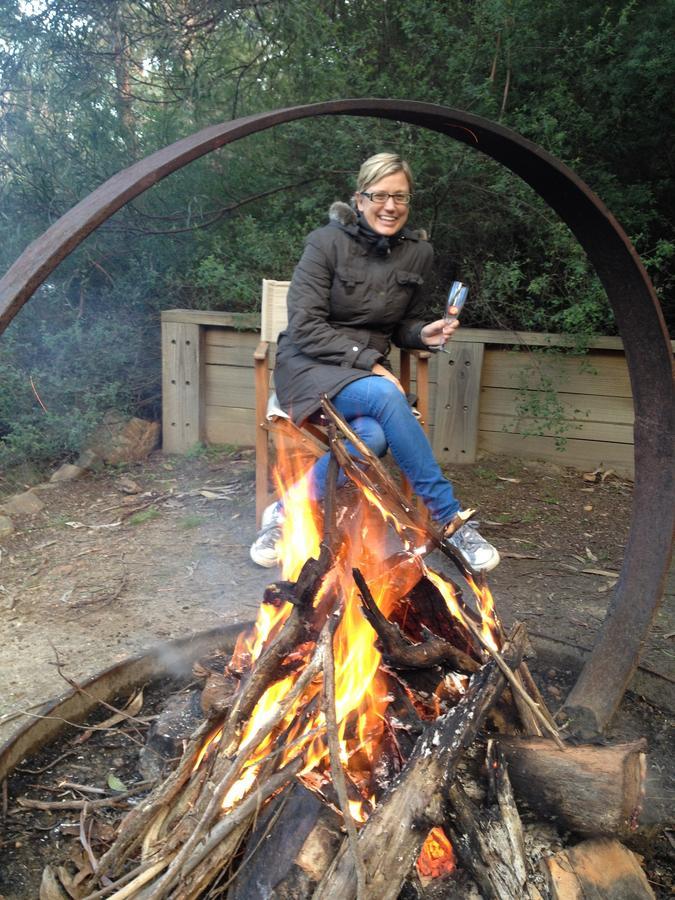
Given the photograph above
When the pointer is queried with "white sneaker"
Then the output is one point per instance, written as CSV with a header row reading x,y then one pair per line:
x,y
477,553
264,551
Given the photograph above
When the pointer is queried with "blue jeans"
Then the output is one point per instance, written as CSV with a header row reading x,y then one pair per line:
x,y
380,415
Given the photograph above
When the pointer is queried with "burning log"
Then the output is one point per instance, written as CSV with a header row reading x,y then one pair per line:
x,y
400,653
602,869
489,843
391,839
593,790
293,845
295,629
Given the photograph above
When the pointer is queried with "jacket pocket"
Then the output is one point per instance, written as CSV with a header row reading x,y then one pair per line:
x,y
350,277
413,279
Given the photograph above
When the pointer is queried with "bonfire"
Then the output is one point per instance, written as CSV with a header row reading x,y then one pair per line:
x,y
332,740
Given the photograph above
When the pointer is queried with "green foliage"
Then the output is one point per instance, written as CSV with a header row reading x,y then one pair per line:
x,y
90,86
143,516
189,522
539,409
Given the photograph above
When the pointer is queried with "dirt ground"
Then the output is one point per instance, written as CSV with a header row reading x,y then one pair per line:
x,y
89,583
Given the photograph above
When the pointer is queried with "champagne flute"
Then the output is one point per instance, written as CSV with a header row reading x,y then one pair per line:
x,y
457,296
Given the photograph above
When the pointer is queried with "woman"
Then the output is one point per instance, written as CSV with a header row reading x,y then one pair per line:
x,y
360,285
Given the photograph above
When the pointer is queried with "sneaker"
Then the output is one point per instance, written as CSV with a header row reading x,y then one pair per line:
x,y
264,550
477,553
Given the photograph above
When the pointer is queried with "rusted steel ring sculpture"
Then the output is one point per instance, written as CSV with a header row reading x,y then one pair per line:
x,y
603,680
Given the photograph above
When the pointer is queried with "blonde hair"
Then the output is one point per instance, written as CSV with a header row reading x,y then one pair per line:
x,y
379,166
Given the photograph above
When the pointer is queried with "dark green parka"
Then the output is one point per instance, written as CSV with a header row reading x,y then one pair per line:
x,y
346,304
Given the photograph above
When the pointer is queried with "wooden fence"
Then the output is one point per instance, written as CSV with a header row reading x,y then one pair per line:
x,y
483,395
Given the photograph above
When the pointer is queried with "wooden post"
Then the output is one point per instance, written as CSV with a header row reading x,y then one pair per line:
x,y
458,402
182,392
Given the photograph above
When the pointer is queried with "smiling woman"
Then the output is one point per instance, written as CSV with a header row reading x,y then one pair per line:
x,y
360,285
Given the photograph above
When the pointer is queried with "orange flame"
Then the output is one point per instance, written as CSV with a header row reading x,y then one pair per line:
x,y
486,604
361,687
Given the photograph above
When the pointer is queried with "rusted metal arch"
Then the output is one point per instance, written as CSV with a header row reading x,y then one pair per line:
x,y
603,680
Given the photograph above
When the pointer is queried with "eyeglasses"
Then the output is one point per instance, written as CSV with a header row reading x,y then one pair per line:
x,y
400,198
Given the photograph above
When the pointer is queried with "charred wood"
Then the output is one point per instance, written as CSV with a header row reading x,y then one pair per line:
x,y
489,842
398,651
391,839
288,852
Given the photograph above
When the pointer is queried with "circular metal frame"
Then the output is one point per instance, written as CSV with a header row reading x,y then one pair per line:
x,y
639,589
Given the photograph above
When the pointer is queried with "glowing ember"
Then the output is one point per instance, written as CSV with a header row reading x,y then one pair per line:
x,y
436,857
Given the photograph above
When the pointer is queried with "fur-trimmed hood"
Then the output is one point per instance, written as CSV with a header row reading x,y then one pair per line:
x,y
342,213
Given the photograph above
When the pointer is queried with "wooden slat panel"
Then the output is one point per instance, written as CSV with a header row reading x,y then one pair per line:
x,y
586,455
595,373
217,355
229,425
576,407
249,321
457,403
181,394
535,339
229,386
590,431
230,337
233,385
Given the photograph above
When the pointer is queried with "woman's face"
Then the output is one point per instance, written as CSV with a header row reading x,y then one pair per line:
x,y
385,218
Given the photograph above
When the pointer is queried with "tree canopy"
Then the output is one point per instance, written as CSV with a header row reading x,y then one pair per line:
x,y
89,86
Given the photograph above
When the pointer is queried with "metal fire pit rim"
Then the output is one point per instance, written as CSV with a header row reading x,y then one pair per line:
x,y
162,660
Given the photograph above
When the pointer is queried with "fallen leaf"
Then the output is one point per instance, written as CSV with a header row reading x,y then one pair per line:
x,y
511,480
588,508
132,708
211,495
50,886
115,784
606,587
605,573
591,555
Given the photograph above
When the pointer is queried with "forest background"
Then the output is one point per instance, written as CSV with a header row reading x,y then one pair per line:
x,y
87,87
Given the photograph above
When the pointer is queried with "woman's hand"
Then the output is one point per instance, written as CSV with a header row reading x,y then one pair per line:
x,y
435,334
385,373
